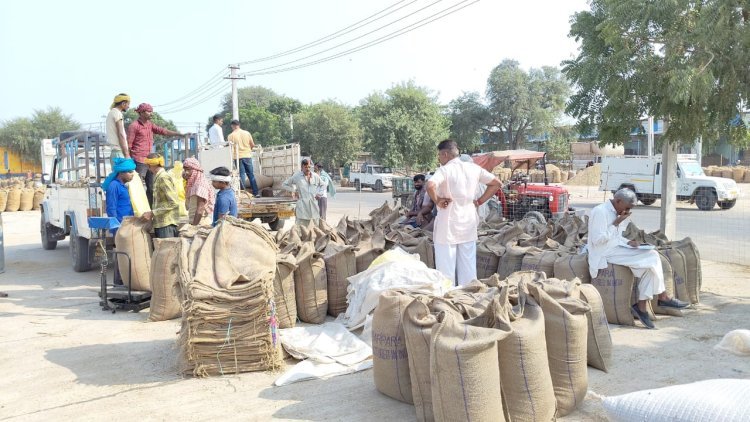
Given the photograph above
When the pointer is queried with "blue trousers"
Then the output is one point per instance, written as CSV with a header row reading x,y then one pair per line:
x,y
246,168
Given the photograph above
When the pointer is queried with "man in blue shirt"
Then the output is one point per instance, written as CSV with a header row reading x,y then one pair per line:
x,y
118,197
226,202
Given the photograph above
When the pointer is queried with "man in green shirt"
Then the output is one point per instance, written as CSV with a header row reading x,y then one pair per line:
x,y
165,212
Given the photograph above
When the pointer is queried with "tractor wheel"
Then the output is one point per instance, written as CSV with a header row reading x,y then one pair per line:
x,y
535,215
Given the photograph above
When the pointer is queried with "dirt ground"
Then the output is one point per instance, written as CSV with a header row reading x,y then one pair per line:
x,y
62,357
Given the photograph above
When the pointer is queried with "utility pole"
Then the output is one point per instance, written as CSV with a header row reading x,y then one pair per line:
x,y
235,101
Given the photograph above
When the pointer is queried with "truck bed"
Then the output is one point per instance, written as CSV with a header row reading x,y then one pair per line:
x,y
263,206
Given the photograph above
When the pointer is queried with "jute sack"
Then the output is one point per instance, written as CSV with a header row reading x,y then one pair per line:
x,y
615,285
390,361
310,285
370,247
539,260
14,200
668,287
528,393
3,199
424,247
38,199
694,274
165,283
565,328
27,199
472,299
418,322
134,239
679,272
561,289
570,266
509,233
465,371
512,260
599,340
489,251
283,291
341,263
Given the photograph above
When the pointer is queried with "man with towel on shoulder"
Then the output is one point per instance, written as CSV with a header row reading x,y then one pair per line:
x,y
165,213
118,197
199,193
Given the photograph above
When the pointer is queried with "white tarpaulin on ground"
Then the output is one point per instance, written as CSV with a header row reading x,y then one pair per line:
x,y
328,349
408,274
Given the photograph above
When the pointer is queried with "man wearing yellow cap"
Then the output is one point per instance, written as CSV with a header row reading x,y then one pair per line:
x,y
166,210
116,137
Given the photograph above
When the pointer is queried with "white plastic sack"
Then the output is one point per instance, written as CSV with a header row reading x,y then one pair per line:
x,y
307,370
718,400
736,342
365,288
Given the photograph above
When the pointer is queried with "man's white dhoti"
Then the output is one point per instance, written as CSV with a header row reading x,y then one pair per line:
x,y
645,264
457,262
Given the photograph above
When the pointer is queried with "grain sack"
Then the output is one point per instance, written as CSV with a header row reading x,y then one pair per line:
x,y
528,393
738,174
746,179
472,299
565,328
283,291
3,199
679,272
263,181
134,239
615,285
369,247
599,340
138,198
341,264
560,289
489,251
539,260
14,200
726,172
570,266
380,213
38,199
564,176
390,361
693,271
424,247
418,322
310,285
668,288
512,260
165,283
465,372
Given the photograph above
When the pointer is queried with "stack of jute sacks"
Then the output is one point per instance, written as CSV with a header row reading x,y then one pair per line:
x,y
18,194
512,349
315,261
226,279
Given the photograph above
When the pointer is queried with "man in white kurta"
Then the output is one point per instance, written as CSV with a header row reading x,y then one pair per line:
x,y
306,186
452,188
606,245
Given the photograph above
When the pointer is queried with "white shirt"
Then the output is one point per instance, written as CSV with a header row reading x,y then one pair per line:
x,y
603,236
215,135
114,116
323,189
458,180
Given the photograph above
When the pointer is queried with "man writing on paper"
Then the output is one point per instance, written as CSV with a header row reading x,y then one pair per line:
x,y
606,245
453,188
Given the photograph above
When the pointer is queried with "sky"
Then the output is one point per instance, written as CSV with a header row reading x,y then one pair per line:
x,y
77,55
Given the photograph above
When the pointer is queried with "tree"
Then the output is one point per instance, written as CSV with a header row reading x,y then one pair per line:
x,y
267,129
403,126
330,132
682,61
24,135
558,144
469,117
521,102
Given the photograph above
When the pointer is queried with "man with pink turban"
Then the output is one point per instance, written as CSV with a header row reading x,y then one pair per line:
x,y
199,193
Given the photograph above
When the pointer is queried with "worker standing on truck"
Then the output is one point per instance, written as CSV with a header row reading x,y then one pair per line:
x,y
118,197
215,132
165,213
116,136
305,186
199,193
226,201
453,188
243,151
141,140
606,245
327,189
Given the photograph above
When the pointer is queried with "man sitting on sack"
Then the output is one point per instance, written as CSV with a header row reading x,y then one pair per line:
x,y
606,245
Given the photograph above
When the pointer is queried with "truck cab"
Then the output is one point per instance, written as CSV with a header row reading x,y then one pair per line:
x,y
643,175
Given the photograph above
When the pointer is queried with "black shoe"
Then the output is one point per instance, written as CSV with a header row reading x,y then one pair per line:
x,y
642,316
673,303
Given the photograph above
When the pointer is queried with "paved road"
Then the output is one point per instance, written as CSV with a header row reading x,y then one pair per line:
x,y
721,235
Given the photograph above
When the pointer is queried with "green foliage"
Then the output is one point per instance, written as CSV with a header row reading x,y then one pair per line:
x,y
521,102
468,117
263,112
403,126
24,135
558,144
330,132
679,60
130,116
267,128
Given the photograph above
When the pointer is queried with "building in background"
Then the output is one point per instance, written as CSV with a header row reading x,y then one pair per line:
x,y
12,165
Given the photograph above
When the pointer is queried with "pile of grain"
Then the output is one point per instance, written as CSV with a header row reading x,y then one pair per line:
x,y
587,177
